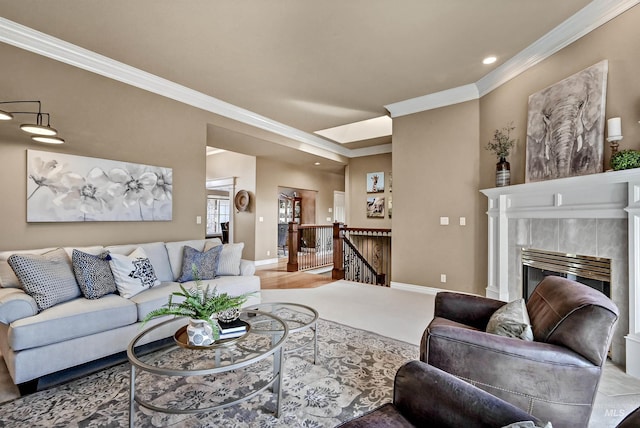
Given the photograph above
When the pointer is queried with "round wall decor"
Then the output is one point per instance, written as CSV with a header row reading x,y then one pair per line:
x,y
241,201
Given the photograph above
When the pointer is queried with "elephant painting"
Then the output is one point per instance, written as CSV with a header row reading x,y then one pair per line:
x,y
565,128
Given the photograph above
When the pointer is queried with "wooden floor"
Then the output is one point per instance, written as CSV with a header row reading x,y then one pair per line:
x,y
276,276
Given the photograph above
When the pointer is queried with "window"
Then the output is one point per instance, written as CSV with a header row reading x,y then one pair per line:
x,y
217,213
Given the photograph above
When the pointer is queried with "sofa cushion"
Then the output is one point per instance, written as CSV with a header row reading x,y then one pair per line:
x,y
155,298
72,319
175,250
93,274
205,263
133,273
230,257
234,285
8,278
48,277
155,251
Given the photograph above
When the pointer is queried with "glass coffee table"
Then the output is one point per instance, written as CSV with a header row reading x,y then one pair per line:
x,y
302,321
251,363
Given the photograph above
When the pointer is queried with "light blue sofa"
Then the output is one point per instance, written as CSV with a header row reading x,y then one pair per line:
x,y
35,344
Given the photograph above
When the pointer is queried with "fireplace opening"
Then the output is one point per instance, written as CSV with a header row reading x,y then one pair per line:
x,y
537,264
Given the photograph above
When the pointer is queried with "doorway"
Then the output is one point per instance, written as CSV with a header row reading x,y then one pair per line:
x,y
219,213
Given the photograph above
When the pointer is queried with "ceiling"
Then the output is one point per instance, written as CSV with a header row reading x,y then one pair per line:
x,y
308,65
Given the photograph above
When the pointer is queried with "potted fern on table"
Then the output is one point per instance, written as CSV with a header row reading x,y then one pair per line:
x,y
202,306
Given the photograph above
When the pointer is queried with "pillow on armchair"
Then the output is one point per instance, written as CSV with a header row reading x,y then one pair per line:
x,y
511,320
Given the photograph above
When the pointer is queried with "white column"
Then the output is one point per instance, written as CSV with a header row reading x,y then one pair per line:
x,y
633,338
498,249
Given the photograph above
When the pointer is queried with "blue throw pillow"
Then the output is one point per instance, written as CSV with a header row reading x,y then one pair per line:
x,y
205,262
93,274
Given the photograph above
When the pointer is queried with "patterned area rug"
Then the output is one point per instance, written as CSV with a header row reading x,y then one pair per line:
x,y
354,374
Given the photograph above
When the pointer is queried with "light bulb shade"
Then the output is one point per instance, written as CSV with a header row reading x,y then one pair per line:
x,y
5,115
32,128
47,139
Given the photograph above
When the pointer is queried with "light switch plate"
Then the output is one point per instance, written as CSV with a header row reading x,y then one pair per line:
x,y
444,221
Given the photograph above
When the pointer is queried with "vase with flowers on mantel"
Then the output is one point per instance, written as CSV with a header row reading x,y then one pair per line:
x,y
501,144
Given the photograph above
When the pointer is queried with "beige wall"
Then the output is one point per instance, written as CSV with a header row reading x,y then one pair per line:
x,y
100,118
243,168
440,162
270,176
435,174
357,191
618,42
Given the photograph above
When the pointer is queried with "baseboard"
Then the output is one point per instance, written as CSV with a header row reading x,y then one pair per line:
x,y
416,288
265,262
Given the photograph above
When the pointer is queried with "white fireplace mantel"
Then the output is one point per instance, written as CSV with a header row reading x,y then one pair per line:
x,y
607,195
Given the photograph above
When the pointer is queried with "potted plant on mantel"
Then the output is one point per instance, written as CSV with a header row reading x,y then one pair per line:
x,y
203,306
501,144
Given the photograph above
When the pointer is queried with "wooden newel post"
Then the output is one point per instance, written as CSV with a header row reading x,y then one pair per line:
x,y
293,243
338,257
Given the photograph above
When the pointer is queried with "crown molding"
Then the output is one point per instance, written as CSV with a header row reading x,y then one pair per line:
x,y
370,151
43,44
587,19
590,17
432,101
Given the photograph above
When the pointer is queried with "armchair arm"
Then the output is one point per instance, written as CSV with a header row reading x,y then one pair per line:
x,y
15,304
427,396
247,267
467,309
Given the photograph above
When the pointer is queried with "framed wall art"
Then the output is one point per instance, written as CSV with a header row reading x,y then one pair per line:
x,y
375,182
565,126
375,207
68,188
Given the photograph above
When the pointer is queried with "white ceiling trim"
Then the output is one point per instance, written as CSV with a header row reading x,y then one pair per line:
x,y
432,101
592,16
43,44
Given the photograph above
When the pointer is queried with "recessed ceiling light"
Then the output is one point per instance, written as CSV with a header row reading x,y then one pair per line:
x,y
489,60
316,163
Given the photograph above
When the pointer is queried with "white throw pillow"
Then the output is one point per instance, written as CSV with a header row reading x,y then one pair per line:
x,y
133,273
229,263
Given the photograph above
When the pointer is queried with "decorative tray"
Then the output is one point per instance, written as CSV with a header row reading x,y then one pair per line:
x,y
182,340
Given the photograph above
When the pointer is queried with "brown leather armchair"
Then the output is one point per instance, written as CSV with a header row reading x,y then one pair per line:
x,y
424,396
556,376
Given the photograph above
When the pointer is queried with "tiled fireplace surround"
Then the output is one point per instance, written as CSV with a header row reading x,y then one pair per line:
x,y
594,215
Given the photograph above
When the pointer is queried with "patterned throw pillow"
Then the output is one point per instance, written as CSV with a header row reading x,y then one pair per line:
x,y
93,274
48,278
205,262
133,273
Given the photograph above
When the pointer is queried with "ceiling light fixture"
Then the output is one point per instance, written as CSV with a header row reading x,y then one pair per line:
x,y
317,163
37,128
47,139
489,60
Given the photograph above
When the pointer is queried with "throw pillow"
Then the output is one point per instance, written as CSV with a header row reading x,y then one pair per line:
x,y
511,320
229,263
93,274
205,263
48,277
133,273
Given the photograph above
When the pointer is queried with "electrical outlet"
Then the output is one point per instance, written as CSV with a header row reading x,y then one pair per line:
x,y
443,277
268,253
463,221
198,219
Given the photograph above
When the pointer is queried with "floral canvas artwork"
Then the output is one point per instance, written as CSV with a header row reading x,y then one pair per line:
x,y
68,188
